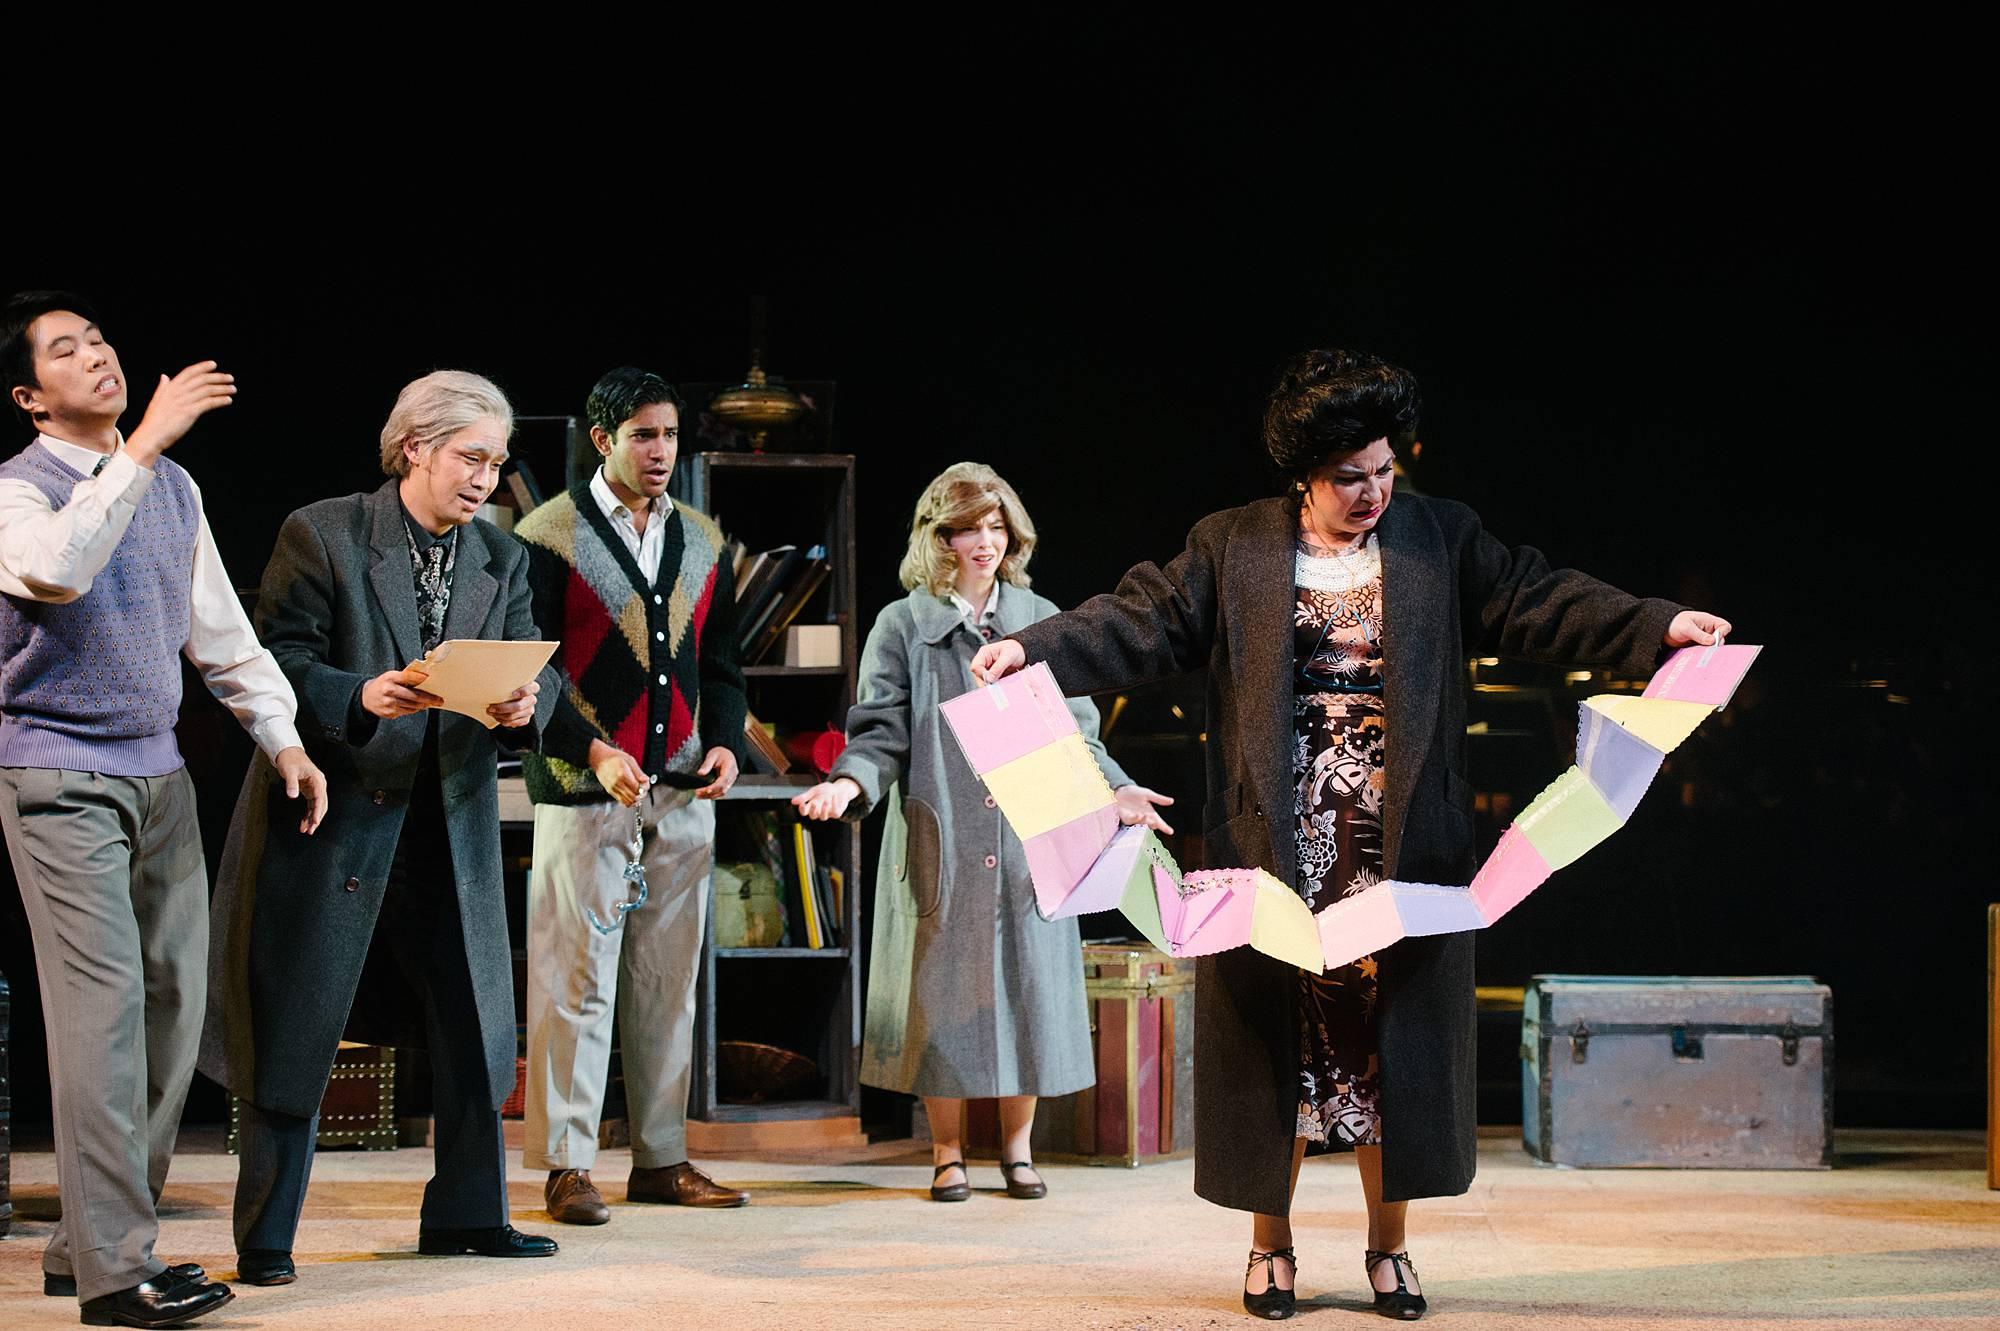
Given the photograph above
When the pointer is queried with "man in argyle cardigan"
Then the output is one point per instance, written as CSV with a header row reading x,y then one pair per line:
x,y
642,742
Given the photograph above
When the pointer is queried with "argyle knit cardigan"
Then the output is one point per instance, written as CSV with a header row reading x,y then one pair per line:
x,y
651,669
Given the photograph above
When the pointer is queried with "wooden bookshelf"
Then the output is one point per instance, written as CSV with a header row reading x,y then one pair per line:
x,y
804,999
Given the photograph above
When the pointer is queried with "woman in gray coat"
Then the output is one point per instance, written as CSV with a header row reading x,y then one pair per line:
x,y
1335,627
971,994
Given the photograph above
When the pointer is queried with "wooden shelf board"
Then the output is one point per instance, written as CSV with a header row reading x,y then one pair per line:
x,y
779,461
758,953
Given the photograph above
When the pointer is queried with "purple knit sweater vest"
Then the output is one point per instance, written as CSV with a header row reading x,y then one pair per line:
x,y
94,685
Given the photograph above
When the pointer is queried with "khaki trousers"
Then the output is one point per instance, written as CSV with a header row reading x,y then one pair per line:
x,y
645,968
116,891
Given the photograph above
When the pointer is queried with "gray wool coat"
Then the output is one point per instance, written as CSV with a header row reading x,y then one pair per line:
x,y
1449,590
970,992
293,915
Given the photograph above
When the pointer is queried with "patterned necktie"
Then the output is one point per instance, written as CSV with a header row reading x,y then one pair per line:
x,y
432,569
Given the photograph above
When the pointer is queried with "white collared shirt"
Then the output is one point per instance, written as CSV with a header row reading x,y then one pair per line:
x,y
645,546
977,620
53,554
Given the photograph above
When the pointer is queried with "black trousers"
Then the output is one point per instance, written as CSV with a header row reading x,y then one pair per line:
x,y
419,929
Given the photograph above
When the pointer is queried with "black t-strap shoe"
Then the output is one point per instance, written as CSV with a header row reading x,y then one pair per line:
x,y
1400,1303
1273,1304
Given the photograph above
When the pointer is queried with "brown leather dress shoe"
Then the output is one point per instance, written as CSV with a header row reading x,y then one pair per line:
x,y
680,1185
573,1199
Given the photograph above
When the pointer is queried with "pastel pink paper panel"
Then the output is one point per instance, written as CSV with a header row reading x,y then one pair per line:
x,y
1366,922
1060,861
1514,869
1213,918
1004,721
1702,674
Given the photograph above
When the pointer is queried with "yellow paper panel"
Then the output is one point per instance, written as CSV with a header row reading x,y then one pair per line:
x,y
1283,926
1660,723
1055,784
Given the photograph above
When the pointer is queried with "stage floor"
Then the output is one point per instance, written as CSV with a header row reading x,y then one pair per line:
x,y
1903,1233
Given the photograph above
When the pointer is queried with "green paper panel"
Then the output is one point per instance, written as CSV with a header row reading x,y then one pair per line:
x,y
1141,904
1567,819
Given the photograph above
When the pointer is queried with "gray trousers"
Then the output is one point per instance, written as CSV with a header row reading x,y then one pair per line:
x,y
111,873
645,967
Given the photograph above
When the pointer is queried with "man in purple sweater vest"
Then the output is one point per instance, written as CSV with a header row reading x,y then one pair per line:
x,y
108,575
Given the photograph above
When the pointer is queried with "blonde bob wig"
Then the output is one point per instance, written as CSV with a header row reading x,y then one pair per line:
x,y
432,409
965,493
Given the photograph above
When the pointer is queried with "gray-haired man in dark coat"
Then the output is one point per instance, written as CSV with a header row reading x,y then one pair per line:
x,y
399,922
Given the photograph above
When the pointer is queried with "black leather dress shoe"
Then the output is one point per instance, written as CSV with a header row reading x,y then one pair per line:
x,y
499,1241
265,1266
64,1287
165,1300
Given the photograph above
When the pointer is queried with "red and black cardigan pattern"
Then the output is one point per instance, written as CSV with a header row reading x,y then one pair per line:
x,y
651,669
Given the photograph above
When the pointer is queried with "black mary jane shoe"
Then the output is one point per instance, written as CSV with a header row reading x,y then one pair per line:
x,y
1274,1304
954,1192
1399,1303
64,1287
165,1300
498,1241
1026,1192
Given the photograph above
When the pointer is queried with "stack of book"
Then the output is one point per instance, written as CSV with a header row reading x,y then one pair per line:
x,y
820,890
771,589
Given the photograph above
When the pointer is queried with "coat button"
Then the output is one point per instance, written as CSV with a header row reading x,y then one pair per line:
x,y
379,796
658,599
663,679
659,636
352,884
989,801
659,727
991,861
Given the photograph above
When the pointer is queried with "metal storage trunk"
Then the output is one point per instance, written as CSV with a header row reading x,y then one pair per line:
x,y
1670,1071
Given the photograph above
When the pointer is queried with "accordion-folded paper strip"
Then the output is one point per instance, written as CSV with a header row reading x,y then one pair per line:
x,y
1023,742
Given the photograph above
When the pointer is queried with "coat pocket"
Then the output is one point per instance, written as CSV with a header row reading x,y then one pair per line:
x,y
1232,802
922,868
1243,840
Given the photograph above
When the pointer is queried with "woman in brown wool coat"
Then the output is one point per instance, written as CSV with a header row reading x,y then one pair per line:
x,y
1335,626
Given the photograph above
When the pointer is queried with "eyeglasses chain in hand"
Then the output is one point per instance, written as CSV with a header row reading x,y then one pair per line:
x,y
635,872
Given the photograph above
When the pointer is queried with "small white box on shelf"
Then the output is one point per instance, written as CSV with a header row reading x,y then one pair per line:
x,y
812,645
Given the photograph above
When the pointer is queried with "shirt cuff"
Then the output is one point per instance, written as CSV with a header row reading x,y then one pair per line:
x,y
274,737
125,478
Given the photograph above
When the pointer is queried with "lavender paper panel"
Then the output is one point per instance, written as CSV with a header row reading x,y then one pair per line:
x,y
1428,908
1062,861
1617,762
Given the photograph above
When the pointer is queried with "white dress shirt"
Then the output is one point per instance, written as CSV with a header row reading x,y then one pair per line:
x,y
54,554
979,620
645,546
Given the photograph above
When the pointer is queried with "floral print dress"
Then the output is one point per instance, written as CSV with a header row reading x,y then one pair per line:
x,y
1337,772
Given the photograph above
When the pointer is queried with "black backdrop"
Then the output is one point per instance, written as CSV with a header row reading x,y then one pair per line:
x,y
1694,310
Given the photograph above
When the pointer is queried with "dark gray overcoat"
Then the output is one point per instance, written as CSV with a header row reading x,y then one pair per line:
x,y
1449,589
971,993
293,915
